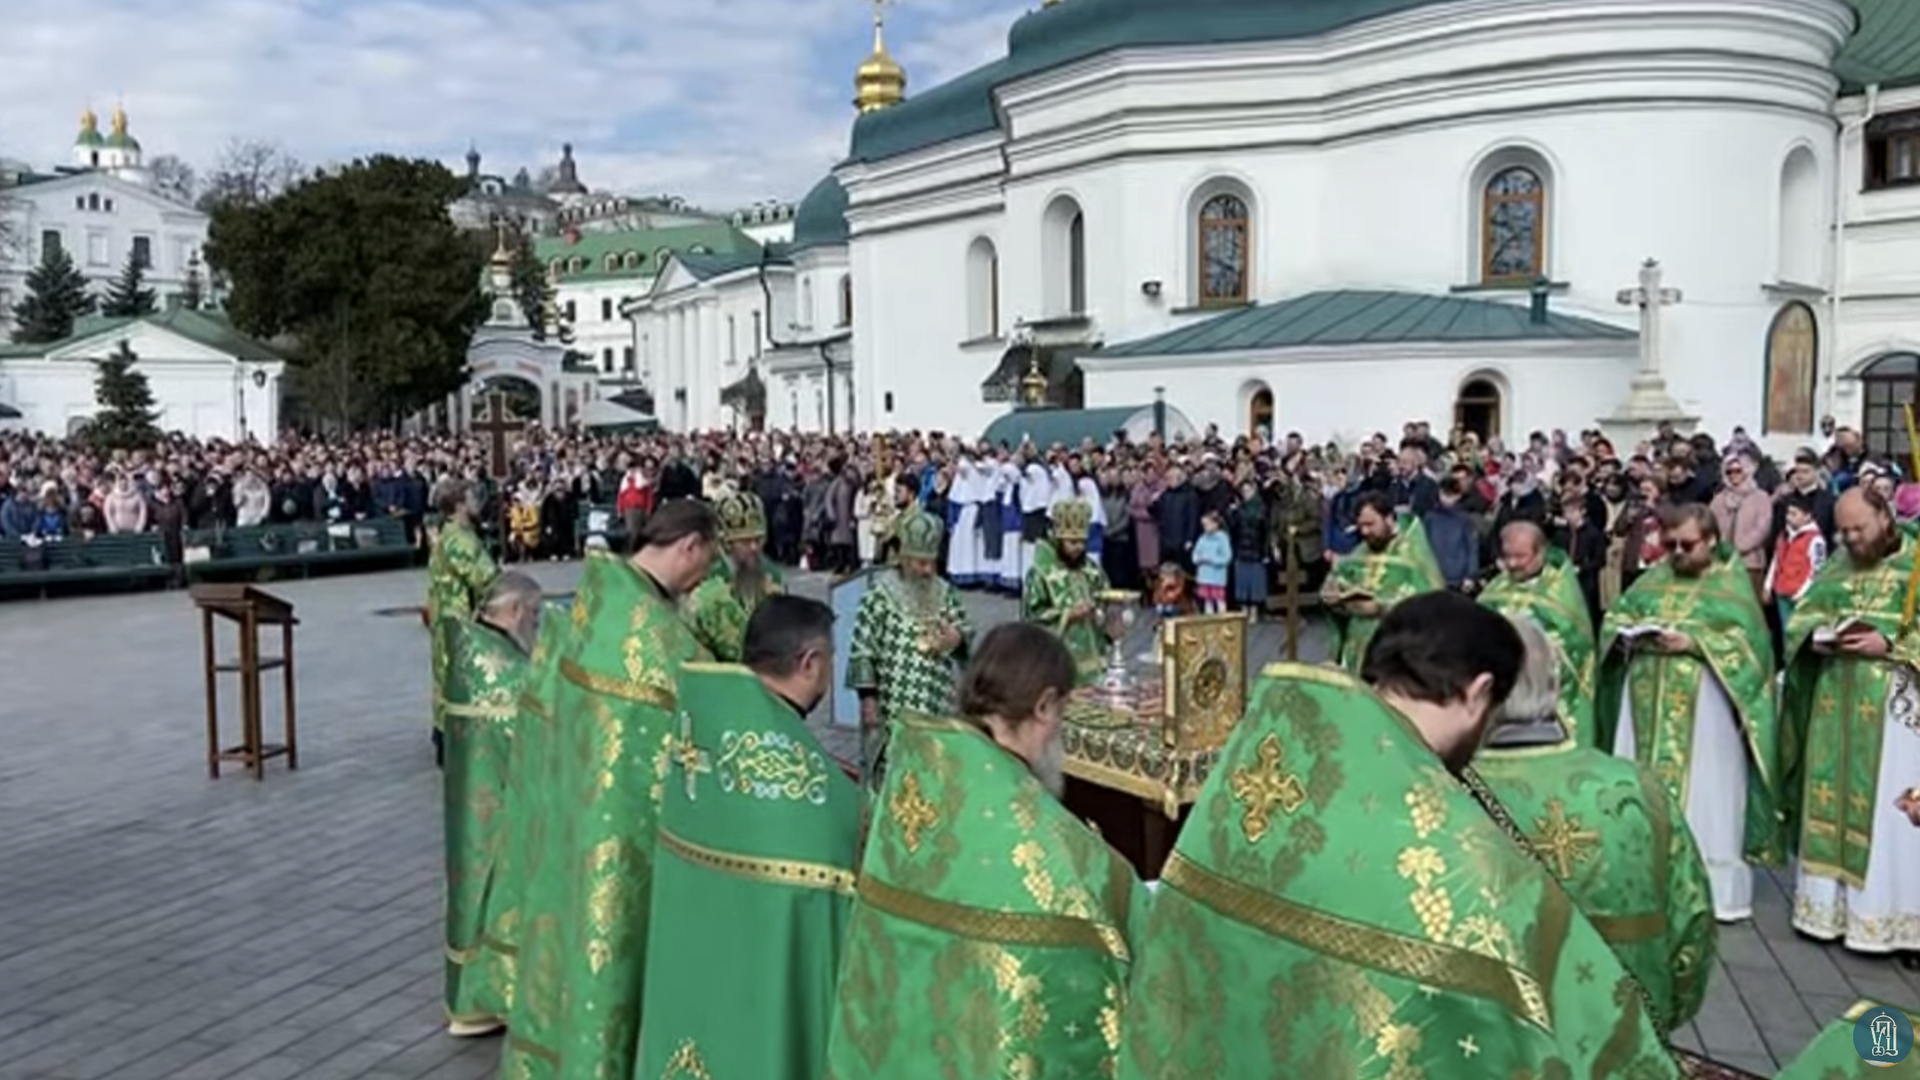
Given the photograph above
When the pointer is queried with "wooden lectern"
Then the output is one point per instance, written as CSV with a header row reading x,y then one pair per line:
x,y
249,609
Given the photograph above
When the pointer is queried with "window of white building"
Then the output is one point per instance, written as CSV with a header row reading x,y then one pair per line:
x,y
983,289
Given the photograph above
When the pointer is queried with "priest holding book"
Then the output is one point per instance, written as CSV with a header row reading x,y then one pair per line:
x,y
1686,689
1536,582
1392,563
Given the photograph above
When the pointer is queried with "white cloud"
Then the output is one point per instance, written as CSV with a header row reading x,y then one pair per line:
x,y
725,103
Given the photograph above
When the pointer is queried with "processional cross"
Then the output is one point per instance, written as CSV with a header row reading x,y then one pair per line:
x,y
688,756
1650,298
499,426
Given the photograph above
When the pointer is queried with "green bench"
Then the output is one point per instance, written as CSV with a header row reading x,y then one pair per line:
x,y
258,551
109,558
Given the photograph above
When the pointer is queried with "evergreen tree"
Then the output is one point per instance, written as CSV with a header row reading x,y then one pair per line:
x,y
56,296
530,288
127,419
129,297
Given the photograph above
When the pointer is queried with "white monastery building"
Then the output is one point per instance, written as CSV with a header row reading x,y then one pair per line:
x,y
1512,215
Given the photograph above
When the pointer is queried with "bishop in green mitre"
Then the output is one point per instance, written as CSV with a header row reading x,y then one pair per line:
x,y
1342,903
1852,737
582,964
1609,831
1063,589
486,669
1537,582
1392,563
993,931
1686,689
753,877
459,569
910,636
719,607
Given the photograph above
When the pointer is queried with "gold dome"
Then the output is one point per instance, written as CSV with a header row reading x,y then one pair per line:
x,y
879,81
89,120
120,120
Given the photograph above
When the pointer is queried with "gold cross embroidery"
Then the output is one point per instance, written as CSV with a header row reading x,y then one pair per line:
x,y
687,754
1561,840
912,812
1823,794
1264,786
686,1062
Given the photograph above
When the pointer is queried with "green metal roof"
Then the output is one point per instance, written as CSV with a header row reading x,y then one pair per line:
x,y
203,327
821,218
644,245
1352,317
714,265
1885,48
1065,426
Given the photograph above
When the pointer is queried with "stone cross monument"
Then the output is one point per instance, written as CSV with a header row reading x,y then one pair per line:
x,y
1648,402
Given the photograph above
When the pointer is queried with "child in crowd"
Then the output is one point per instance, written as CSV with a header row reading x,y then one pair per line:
x,y
1212,556
1170,591
1797,555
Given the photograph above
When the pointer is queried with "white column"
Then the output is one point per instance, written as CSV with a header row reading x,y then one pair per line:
x,y
712,352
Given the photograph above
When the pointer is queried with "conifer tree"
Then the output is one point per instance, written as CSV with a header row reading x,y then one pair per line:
x,y
56,296
127,419
129,297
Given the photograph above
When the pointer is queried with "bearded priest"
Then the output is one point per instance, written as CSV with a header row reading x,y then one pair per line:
x,y
1536,582
1063,589
991,936
1686,689
1392,563
1853,731
458,573
753,883
718,609
577,998
1611,834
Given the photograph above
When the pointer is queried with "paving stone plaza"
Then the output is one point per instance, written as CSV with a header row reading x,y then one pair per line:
x,y
155,924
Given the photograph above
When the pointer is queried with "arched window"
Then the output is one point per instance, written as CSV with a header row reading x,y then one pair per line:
x,y
1478,407
983,290
1801,233
807,315
846,300
631,260
1077,264
553,268
1890,383
1260,412
1513,206
1793,354
1223,251
612,262
1063,258
576,264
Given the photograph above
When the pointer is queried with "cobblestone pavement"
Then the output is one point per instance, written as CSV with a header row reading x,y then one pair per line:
x,y
155,924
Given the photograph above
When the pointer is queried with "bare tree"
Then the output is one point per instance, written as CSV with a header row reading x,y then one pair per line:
x,y
174,179
249,171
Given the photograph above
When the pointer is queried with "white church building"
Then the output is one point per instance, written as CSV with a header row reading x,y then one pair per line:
x,y
1332,218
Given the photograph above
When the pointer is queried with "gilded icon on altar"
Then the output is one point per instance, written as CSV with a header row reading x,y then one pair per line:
x,y
1204,670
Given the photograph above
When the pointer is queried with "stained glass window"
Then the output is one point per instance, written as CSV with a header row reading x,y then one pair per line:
x,y
1223,251
1513,215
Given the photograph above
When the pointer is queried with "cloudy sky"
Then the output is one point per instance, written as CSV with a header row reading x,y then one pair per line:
x,y
725,102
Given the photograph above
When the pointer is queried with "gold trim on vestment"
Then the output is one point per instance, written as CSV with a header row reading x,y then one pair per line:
x,y
1166,798
716,666
462,957
480,712
517,1043
1630,929
1426,963
994,927
625,689
790,872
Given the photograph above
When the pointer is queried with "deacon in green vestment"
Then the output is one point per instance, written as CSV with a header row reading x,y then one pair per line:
x,y
458,573
992,934
1852,737
1063,589
486,670
753,878
577,999
1392,563
1343,903
718,609
1686,689
1609,831
910,636
1537,582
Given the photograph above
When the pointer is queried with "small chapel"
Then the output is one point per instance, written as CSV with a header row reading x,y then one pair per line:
x,y
1331,218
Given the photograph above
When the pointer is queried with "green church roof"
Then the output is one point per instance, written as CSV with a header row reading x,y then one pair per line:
x,y
1884,49
637,252
821,218
201,327
1356,317
1067,427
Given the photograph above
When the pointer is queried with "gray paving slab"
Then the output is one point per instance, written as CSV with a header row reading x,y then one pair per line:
x,y
156,925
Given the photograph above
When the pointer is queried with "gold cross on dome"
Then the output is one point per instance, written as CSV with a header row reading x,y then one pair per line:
x,y
1265,786
912,812
1561,841
687,754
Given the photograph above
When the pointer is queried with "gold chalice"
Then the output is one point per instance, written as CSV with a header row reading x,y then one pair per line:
x,y
1118,611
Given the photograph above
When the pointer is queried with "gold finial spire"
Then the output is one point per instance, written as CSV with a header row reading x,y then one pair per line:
x,y
1033,388
501,256
880,81
120,119
89,120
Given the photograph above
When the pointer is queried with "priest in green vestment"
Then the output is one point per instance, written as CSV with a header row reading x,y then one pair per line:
x,y
993,932
1063,589
1346,901
1537,581
1686,689
577,998
1852,737
754,873
486,667
459,569
1392,563
1609,831
718,609
910,636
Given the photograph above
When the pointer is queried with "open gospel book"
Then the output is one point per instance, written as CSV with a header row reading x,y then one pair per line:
x,y
1828,635
1634,633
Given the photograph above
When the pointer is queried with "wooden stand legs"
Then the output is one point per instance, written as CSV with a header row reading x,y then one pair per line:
x,y
253,751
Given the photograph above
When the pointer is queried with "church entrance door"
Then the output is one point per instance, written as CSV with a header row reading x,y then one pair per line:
x,y
1890,384
1477,409
1260,414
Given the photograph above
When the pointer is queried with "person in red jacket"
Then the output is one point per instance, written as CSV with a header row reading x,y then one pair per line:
x,y
1797,555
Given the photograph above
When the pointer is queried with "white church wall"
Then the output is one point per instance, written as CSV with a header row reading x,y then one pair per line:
x,y
1878,312
599,332
697,340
